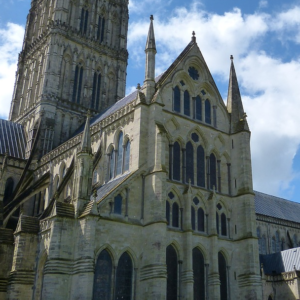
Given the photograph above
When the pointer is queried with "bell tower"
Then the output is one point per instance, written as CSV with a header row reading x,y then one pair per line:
x,y
74,59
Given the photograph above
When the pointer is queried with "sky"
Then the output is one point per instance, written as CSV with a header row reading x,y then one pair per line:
x,y
264,38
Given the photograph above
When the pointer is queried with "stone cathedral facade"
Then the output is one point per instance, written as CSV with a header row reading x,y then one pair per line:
x,y
147,196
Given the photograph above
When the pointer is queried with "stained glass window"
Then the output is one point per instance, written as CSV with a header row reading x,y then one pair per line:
x,y
199,275
176,161
102,277
198,108
120,154
96,91
193,72
124,278
168,212
189,162
201,219
223,276
217,222
187,104
213,171
175,215
200,166
193,218
118,204
223,225
207,112
176,100
172,276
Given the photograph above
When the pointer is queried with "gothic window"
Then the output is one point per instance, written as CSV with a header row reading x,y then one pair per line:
x,y
223,225
223,276
118,205
278,244
168,212
9,188
112,164
96,91
200,219
217,222
120,154
187,103
189,162
213,171
200,166
273,244
176,99
193,218
172,276
176,161
77,84
193,72
124,278
195,137
207,112
175,215
263,245
127,156
84,20
102,277
259,240
101,28
198,108
295,241
199,274
282,244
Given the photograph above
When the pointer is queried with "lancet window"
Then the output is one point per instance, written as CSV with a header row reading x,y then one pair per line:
x,y
96,93
176,161
172,211
8,191
187,103
84,21
101,29
176,99
197,216
199,274
124,277
223,276
118,204
198,108
104,278
207,112
78,78
172,273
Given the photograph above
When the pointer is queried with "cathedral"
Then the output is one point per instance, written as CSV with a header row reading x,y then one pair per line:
x,y
147,196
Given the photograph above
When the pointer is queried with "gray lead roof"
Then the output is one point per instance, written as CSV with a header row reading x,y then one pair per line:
x,y
277,207
12,139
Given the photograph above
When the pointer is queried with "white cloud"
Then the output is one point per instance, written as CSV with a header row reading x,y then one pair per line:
x,y
270,86
263,4
10,44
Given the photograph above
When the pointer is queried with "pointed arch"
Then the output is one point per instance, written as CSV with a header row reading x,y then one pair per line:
x,y
124,274
199,274
103,276
198,108
186,103
223,276
172,273
176,99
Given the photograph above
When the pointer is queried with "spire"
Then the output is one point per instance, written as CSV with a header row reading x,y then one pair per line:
x,y
86,136
151,38
149,83
234,100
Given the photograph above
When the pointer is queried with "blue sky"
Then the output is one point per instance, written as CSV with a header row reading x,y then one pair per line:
x,y
263,36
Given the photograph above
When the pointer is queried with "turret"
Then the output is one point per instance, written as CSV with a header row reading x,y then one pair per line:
x,y
83,170
150,50
234,103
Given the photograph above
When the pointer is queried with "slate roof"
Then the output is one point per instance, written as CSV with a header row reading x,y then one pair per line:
x,y
112,109
107,188
277,207
12,139
280,262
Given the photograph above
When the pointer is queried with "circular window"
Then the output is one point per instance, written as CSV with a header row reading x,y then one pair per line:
x,y
193,73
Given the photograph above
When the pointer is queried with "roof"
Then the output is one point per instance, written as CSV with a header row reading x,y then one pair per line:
x,y
12,139
107,188
277,207
280,262
112,109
